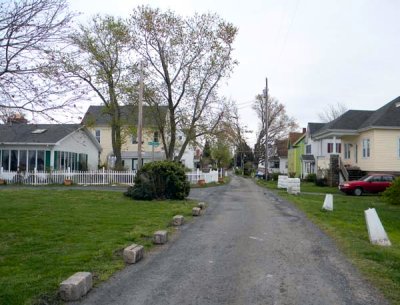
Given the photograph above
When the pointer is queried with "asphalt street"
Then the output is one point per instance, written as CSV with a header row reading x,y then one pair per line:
x,y
250,247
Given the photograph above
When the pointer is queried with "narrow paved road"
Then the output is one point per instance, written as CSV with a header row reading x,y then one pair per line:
x,y
249,248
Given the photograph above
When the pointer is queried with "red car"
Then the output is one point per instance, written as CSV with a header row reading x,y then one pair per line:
x,y
374,183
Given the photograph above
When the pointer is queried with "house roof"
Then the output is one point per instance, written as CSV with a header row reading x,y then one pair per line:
x,y
352,121
282,147
303,135
293,137
46,133
97,115
386,116
308,158
314,127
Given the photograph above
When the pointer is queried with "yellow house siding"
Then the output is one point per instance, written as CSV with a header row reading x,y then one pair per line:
x,y
105,142
366,163
386,148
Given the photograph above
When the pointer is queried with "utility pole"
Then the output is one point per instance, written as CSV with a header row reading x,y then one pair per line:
x,y
266,128
140,118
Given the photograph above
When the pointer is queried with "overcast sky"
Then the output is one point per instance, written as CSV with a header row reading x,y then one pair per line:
x,y
313,52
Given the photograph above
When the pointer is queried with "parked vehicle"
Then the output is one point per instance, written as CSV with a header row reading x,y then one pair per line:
x,y
375,183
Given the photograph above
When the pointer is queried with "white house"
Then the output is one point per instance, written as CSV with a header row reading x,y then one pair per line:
x,y
316,148
26,147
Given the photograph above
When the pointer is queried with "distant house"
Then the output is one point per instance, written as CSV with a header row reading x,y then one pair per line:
x,y
282,154
317,148
370,139
295,151
98,121
26,147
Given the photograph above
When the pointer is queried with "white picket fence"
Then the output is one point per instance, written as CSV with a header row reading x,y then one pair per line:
x,y
212,176
94,177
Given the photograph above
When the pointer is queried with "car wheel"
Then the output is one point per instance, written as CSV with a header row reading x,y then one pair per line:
x,y
358,191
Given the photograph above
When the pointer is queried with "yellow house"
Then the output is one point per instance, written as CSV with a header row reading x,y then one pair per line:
x,y
97,121
370,139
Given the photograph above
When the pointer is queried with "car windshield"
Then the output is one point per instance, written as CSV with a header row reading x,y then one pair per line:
x,y
365,178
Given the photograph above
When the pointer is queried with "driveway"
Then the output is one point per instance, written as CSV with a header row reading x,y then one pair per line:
x,y
249,248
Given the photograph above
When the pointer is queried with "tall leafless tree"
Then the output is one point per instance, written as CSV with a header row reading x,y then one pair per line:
x,y
332,111
186,59
279,123
30,31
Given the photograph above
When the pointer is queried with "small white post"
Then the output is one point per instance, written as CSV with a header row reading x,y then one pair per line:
x,y
328,203
376,232
104,177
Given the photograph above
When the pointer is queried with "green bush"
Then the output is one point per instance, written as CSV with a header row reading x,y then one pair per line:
x,y
238,171
292,174
311,177
275,176
248,168
321,182
160,180
392,193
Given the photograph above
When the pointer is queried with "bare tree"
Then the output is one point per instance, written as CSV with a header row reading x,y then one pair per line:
x,y
100,61
186,60
279,123
332,111
29,32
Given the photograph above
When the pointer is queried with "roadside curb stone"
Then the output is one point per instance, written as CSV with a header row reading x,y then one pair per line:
x,y
160,237
133,253
196,211
178,220
76,286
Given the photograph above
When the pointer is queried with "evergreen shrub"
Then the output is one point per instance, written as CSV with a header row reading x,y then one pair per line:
x,y
160,180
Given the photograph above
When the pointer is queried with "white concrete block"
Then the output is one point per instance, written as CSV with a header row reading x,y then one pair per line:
x,y
196,211
178,220
328,202
376,232
293,191
76,286
282,181
133,254
160,237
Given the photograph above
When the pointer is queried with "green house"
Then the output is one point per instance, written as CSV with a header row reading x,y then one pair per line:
x,y
295,150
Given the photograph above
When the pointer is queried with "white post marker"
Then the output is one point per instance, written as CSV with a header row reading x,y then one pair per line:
x,y
328,202
376,232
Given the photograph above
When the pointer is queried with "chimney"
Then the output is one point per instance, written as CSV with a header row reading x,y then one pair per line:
x,y
304,130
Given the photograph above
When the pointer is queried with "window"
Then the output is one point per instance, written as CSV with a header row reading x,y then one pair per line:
x,y
40,160
387,178
398,147
22,160
330,148
82,165
14,161
31,160
155,136
365,148
37,131
308,149
347,150
97,134
338,148
5,160
133,139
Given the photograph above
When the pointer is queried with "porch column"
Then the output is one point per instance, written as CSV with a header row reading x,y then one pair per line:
x,y
334,145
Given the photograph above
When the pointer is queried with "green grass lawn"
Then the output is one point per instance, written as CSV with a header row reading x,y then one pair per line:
x,y
47,235
346,225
